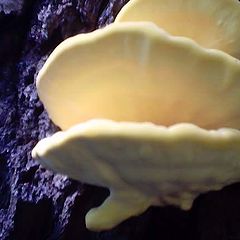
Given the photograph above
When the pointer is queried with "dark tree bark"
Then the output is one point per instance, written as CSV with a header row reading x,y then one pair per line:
x,y
35,203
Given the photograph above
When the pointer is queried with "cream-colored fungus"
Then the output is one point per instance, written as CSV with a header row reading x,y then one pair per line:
x,y
142,164
171,106
137,72
213,24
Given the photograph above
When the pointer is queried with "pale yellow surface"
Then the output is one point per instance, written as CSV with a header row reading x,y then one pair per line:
x,y
211,23
142,164
137,72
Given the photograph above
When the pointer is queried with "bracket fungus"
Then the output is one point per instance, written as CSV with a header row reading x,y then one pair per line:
x,y
150,116
149,76
213,24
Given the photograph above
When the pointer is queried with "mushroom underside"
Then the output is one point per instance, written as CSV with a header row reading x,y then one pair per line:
x,y
150,77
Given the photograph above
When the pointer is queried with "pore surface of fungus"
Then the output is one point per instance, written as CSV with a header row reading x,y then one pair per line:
x,y
213,24
173,107
150,76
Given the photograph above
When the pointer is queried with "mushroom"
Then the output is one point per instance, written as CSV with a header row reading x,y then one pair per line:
x,y
142,164
149,76
156,125
213,24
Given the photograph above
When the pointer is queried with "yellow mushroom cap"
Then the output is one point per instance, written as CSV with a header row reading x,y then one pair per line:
x,y
142,164
136,72
213,24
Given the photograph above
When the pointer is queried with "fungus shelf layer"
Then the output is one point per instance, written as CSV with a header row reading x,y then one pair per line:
x,y
137,72
213,24
142,164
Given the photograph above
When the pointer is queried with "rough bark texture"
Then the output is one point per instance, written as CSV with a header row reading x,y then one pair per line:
x,y
35,203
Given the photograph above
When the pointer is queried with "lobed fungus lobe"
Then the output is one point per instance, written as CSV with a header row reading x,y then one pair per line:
x,y
151,76
212,24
